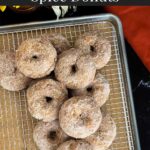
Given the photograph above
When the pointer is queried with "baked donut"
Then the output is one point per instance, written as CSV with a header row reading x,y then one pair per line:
x,y
59,42
74,71
96,46
99,89
48,135
105,135
45,98
75,145
36,57
79,117
10,77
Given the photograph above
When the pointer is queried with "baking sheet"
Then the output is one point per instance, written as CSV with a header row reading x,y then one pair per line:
x,y
16,123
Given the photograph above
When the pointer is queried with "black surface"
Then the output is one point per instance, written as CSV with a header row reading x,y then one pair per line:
x,y
140,77
140,81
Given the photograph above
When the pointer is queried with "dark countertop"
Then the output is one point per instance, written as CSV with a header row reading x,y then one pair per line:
x,y
140,81
140,77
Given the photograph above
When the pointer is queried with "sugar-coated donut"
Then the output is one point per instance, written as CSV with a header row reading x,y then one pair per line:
x,y
10,77
105,135
79,117
36,57
59,42
99,89
75,145
98,47
48,135
45,98
74,71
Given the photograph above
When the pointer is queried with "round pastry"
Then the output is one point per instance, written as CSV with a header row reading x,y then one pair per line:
x,y
74,71
75,145
99,89
36,57
59,42
105,135
98,47
48,135
10,77
79,117
45,98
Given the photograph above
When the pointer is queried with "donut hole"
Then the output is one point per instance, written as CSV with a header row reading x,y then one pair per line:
x,y
15,69
92,48
48,99
74,69
52,135
89,89
35,57
93,51
81,115
84,119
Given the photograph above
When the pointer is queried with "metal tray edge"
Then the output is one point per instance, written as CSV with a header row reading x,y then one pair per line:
x,y
132,108
70,21
61,22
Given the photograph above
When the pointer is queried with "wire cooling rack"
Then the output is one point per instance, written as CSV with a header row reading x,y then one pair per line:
x,y
16,123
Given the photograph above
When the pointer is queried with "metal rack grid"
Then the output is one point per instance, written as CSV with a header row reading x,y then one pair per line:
x,y
17,125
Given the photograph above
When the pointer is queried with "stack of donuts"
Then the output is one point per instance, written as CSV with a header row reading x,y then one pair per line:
x,y
65,91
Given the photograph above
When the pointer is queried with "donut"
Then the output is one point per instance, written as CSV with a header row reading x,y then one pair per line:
x,y
96,46
36,57
48,135
105,135
99,89
75,145
79,117
74,71
45,98
10,77
59,42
